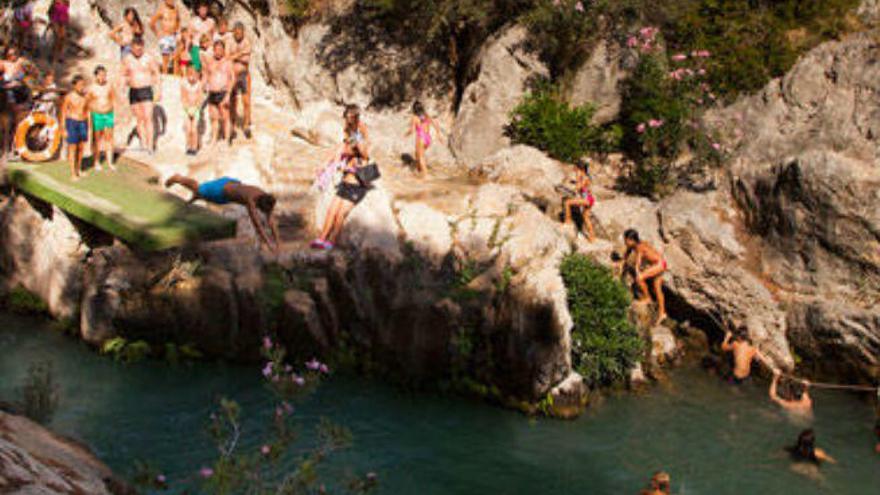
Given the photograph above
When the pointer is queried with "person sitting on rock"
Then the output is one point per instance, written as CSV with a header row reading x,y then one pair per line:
x,y
657,266
661,484
795,396
350,191
744,354
583,199
228,190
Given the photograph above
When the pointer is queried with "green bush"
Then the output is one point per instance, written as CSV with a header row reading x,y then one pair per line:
x,y
22,301
605,345
563,32
545,121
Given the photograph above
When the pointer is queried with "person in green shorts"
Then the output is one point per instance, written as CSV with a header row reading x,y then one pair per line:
x,y
99,99
203,46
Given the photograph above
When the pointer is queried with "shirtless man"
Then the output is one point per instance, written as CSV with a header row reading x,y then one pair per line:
x,y
167,17
227,190
744,353
141,73
798,401
645,253
192,96
220,78
100,100
239,49
75,115
201,23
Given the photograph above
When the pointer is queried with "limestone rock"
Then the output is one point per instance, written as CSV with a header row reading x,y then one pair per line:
x,y
597,81
372,227
528,169
34,460
300,323
505,68
427,229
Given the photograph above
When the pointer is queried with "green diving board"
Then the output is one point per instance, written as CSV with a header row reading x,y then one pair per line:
x,y
127,204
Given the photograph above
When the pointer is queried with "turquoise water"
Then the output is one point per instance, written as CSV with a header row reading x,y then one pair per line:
x,y
712,438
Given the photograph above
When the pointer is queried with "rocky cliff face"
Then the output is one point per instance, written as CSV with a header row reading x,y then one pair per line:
x,y
35,460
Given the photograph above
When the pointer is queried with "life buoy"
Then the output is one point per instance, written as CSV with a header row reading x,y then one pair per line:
x,y
50,133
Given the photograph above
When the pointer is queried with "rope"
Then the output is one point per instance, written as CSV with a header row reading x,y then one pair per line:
x,y
836,386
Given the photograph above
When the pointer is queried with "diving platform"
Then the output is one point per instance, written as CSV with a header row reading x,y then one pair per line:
x,y
129,204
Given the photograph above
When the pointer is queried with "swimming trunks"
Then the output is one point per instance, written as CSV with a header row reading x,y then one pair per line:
x,y
241,83
213,191
18,95
195,56
102,121
77,131
124,50
216,97
140,95
167,44
194,113
351,192
587,195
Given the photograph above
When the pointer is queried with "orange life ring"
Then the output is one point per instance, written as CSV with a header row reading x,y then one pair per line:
x,y
53,137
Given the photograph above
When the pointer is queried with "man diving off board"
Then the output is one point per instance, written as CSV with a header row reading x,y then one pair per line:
x,y
228,190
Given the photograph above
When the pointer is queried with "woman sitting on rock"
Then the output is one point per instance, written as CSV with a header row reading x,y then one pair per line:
x,y
583,198
350,191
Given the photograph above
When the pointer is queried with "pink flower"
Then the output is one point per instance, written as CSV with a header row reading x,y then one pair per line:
x,y
265,450
267,343
640,128
279,412
287,407
267,370
678,57
579,7
716,146
699,101
701,72
298,380
712,96
313,365
655,123
160,478
325,369
704,54
206,472
288,368
632,42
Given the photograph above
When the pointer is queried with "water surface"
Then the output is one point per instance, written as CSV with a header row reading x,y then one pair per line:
x,y
712,438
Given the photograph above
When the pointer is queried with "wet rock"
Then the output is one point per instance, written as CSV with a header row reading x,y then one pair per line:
x,y
505,68
569,398
34,460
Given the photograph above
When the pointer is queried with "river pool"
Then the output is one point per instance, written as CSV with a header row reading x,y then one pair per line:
x,y
713,438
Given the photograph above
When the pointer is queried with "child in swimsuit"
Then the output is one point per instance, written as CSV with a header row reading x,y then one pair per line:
x,y
584,199
192,98
654,272
420,125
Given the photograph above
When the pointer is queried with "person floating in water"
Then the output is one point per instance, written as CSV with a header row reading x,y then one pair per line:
x,y
805,449
657,266
74,114
228,190
744,354
795,397
421,125
661,484
584,198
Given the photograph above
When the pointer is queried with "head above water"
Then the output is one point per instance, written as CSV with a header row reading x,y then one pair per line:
x,y
805,448
631,237
661,481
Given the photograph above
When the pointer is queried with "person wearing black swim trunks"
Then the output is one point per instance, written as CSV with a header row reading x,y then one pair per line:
x,y
220,78
141,74
350,192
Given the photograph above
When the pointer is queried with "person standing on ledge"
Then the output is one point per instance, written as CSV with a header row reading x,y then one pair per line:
x,y
744,354
167,17
657,266
100,99
228,190
220,78
141,72
74,114
239,48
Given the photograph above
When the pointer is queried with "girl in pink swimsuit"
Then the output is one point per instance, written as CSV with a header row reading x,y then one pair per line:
x,y
583,200
420,125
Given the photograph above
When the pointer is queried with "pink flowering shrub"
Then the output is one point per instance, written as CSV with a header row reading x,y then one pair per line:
x,y
245,464
661,112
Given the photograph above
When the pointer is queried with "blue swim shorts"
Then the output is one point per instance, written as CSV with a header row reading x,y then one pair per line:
x,y
77,131
212,191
